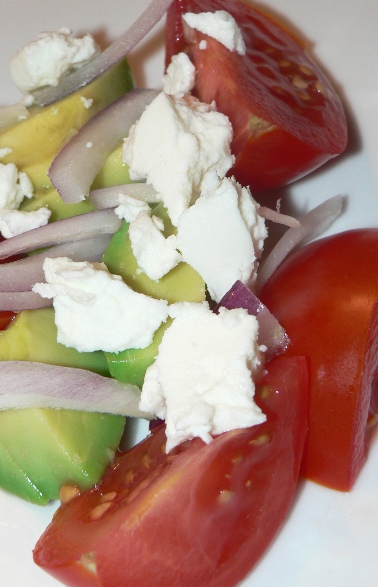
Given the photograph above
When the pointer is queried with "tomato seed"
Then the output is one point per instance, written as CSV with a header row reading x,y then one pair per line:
x,y
68,492
99,511
107,497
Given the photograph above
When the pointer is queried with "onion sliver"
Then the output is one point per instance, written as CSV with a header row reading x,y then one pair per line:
x,y
312,224
108,197
62,231
271,333
25,384
12,114
21,275
16,301
116,51
75,167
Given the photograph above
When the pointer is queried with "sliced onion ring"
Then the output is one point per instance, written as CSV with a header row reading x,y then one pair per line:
x,y
15,301
116,51
62,231
21,275
26,384
108,197
75,167
271,333
312,225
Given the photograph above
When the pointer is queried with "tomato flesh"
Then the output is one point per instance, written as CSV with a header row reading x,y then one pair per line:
x,y
325,296
287,118
201,515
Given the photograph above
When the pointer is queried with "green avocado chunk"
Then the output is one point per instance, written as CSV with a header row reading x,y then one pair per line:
x,y
181,284
43,449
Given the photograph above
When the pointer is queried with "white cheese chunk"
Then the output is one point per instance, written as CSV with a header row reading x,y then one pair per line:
x,y
215,240
14,222
174,144
200,382
14,186
129,207
220,25
180,76
44,61
154,253
95,310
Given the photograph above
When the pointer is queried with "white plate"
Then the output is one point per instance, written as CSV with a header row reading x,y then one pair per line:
x,y
330,538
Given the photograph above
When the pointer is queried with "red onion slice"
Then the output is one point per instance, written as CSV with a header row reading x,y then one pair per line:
x,y
271,333
25,385
62,231
116,51
108,197
12,114
75,167
21,275
15,301
312,225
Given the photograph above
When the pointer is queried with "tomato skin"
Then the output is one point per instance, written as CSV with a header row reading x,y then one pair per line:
x,y
202,515
287,118
6,318
325,296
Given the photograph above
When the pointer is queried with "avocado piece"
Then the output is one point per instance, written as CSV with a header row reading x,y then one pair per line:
x,y
43,449
181,284
59,209
38,138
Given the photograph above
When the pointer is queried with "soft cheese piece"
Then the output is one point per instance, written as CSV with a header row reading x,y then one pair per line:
x,y
95,310
14,186
221,235
180,76
220,25
43,61
14,222
201,382
174,144
155,254
129,207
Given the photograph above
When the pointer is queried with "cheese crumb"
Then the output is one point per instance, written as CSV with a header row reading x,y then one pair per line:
x,y
44,61
180,76
14,186
130,206
87,102
14,222
154,253
220,25
96,310
200,382
174,144
223,209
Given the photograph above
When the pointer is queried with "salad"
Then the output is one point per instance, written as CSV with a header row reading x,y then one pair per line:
x,y
304,195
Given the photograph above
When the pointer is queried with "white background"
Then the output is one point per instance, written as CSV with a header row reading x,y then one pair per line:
x,y
330,538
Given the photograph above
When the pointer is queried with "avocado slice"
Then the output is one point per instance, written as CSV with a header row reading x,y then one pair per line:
x,y
43,449
36,140
181,284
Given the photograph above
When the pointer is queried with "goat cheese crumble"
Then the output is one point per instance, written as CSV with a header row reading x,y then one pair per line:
x,y
200,382
96,310
174,144
180,76
220,25
44,61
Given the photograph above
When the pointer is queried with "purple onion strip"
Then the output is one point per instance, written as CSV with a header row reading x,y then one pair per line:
x,y
102,62
16,301
75,167
108,197
271,333
312,225
62,231
21,275
25,384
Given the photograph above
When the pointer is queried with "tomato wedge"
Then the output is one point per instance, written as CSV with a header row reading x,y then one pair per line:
x,y
287,118
325,296
201,515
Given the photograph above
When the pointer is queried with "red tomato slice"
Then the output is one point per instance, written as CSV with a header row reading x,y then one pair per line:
x,y
6,318
287,118
201,515
325,296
